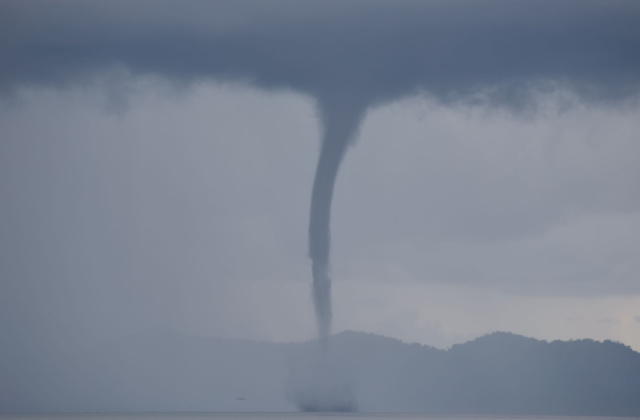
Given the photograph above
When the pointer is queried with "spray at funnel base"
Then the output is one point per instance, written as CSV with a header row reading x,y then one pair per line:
x,y
320,381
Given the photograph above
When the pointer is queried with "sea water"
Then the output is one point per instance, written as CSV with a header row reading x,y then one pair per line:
x,y
284,416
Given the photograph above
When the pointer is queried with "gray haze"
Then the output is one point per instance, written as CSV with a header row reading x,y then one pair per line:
x,y
349,56
507,190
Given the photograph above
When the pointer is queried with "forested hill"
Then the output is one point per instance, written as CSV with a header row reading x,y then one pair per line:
x,y
507,373
500,373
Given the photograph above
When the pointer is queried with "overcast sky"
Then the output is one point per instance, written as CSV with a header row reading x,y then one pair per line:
x,y
157,158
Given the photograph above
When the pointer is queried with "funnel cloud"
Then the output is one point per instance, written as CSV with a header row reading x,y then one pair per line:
x,y
340,117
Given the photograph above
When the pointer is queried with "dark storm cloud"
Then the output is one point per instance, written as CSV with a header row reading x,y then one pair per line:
x,y
372,49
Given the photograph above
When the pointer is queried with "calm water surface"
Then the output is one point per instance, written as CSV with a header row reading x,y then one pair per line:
x,y
284,416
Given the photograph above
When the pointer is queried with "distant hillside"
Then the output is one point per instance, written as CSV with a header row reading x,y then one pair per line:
x,y
500,373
